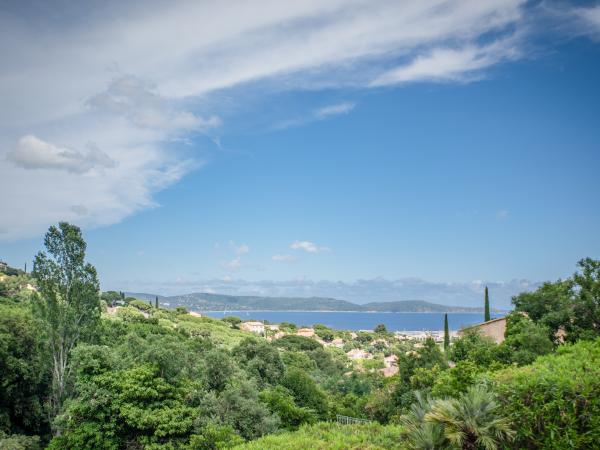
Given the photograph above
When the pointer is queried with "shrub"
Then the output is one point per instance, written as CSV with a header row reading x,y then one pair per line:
x,y
141,305
297,343
19,442
306,392
332,436
555,402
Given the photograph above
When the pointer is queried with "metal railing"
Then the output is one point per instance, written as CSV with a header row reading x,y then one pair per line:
x,y
345,420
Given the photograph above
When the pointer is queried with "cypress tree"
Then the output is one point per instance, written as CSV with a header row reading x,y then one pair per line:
x,y
156,302
487,306
446,332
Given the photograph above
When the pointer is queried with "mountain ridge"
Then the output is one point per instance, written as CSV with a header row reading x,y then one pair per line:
x,y
204,301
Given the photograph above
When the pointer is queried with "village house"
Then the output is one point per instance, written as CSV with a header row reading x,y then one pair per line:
x,y
195,314
3,265
306,332
381,341
337,342
493,329
253,327
390,361
390,371
357,353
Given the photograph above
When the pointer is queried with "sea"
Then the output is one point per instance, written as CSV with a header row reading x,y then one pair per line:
x,y
344,320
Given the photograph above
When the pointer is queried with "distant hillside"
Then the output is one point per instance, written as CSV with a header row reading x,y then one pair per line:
x,y
219,302
415,306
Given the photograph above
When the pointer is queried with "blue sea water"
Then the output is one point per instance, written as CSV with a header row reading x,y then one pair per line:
x,y
359,320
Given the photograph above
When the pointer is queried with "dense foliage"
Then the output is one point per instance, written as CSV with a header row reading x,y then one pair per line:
x,y
88,370
554,403
331,436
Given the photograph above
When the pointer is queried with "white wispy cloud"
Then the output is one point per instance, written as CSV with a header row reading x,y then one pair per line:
x,y
234,264
449,64
325,112
588,20
308,246
283,258
335,110
34,153
136,100
133,81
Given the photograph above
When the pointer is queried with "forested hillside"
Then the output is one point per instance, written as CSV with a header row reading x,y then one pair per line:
x,y
218,302
81,372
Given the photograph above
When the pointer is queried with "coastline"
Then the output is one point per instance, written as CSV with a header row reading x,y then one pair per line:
x,y
342,311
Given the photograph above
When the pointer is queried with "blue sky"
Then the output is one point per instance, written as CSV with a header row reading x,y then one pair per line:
x,y
368,152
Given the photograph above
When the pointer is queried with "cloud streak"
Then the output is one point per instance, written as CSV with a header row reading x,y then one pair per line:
x,y
308,246
34,153
135,78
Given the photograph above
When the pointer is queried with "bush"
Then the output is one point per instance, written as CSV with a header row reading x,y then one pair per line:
x,y
129,314
332,436
555,402
280,401
324,332
306,392
474,347
141,305
297,343
525,340
260,359
19,442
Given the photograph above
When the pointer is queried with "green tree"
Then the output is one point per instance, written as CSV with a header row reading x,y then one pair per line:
x,y
524,340
324,332
586,308
111,297
239,406
456,380
281,402
306,392
380,328
549,305
260,359
233,321
24,378
133,408
215,437
218,369
156,302
487,315
296,343
68,302
475,347
19,442
446,333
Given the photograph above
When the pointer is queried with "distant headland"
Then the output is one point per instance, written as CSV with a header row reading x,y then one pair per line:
x,y
203,301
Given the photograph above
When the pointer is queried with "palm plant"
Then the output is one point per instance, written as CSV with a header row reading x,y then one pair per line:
x,y
420,434
473,421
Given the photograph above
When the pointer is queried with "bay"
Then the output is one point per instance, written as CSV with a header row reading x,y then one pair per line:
x,y
344,320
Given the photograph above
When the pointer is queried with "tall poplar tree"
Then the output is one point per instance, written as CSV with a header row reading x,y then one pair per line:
x,y
68,302
487,306
446,332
